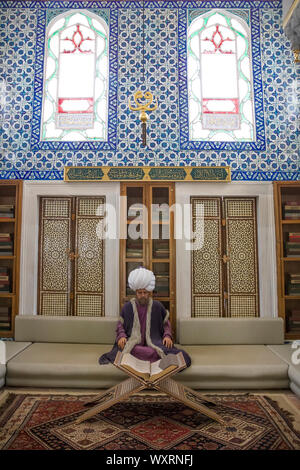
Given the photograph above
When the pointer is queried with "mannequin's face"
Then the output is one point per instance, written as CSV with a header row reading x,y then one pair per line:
x,y
142,296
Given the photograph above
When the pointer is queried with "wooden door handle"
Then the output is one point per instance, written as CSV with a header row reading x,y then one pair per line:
x,y
225,258
72,255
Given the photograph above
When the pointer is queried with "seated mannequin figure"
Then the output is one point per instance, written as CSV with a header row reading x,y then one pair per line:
x,y
143,329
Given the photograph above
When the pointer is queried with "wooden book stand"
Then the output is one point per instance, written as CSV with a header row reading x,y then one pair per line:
x,y
163,384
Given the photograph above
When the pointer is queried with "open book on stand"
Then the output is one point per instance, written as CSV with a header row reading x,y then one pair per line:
x,y
150,371
145,375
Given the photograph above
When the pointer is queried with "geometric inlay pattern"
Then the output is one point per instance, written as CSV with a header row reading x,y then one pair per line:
x,y
242,306
54,263
224,264
54,304
89,305
91,206
241,247
242,256
56,207
89,260
206,258
238,208
89,264
206,306
71,260
206,261
206,207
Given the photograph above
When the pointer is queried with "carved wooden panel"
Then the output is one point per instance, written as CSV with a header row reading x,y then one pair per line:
x,y
207,284
89,305
54,263
224,268
71,256
241,248
89,257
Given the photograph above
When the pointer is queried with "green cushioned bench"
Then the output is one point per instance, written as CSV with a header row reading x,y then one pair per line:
x,y
227,353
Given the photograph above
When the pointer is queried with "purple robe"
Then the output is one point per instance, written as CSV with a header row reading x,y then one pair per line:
x,y
144,327
141,350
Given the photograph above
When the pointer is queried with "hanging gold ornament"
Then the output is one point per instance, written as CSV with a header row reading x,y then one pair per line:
x,y
144,106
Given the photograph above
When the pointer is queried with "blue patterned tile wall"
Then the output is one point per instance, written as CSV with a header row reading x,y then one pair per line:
x,y
274,156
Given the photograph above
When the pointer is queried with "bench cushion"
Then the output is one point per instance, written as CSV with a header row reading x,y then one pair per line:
x,y
15,347
231,331
284,351
234,367
290,356
61,329
2,375
295,389
294,375
76,365
11,349
62,365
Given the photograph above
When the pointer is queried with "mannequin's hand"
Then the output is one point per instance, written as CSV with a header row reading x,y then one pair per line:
x,y
167,342
122,342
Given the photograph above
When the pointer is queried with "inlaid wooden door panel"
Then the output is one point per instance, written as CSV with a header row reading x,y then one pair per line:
x,y
71,256
241,248
54,262
89,257
225,267
207,278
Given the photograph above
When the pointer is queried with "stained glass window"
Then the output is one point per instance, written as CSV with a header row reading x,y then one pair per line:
x,y
220,78
76,78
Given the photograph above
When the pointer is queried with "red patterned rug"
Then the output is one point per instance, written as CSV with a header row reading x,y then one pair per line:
x,y
40,421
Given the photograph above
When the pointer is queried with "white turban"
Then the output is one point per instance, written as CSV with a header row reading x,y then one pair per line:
x,y
141,278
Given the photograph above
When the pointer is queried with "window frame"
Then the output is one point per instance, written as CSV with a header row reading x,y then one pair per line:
x,y
255,58
43,24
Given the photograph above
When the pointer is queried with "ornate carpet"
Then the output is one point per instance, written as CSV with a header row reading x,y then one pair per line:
x,y
42,420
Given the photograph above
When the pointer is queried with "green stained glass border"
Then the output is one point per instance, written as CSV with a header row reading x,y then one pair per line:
x,y
51,14
248,93
66,15
194,13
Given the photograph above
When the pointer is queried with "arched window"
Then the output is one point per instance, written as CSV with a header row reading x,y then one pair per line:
x,y
220,78
75,98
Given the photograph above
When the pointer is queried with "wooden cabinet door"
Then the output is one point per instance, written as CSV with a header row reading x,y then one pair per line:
x,y
154,249
71,256
241,257
207,269
55,245
89,257
225,268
